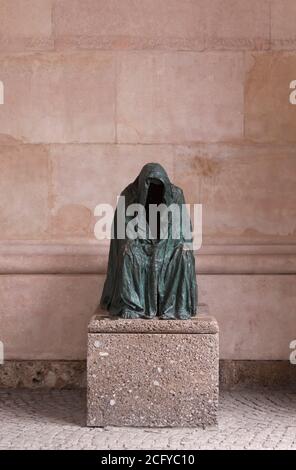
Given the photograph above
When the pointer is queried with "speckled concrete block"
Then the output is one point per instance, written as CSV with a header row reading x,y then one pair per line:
x,y
152,372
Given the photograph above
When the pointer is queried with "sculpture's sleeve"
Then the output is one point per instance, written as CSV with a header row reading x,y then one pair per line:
x,y
112,267
117,246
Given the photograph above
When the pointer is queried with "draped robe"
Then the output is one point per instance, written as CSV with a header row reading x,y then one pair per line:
x,y
148,276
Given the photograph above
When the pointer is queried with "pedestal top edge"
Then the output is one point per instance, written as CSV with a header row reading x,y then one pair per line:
x,y
101,322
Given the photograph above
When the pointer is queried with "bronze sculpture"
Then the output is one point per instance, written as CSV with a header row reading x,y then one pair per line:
x,y
151,276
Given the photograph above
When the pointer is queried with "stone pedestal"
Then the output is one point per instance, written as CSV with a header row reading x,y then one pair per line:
x,y
152,372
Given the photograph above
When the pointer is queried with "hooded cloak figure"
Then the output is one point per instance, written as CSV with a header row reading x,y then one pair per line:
x,y
153,274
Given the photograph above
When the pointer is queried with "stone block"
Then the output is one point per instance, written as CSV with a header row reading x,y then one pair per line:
x,y
237,24
43,374
23,191
58,98
211,174
126,24
269,115
283,31
152,372
26,25
79,181
256,314
46,316
173,97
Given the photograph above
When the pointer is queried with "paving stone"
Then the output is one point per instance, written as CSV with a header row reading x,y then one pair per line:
x,y
56,419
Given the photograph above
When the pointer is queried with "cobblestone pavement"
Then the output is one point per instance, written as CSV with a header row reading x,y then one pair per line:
x,y
56,420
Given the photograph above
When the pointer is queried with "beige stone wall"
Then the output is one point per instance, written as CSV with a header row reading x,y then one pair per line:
x,y
94,89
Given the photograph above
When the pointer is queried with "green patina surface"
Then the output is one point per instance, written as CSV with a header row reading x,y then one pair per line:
x,y
151,276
